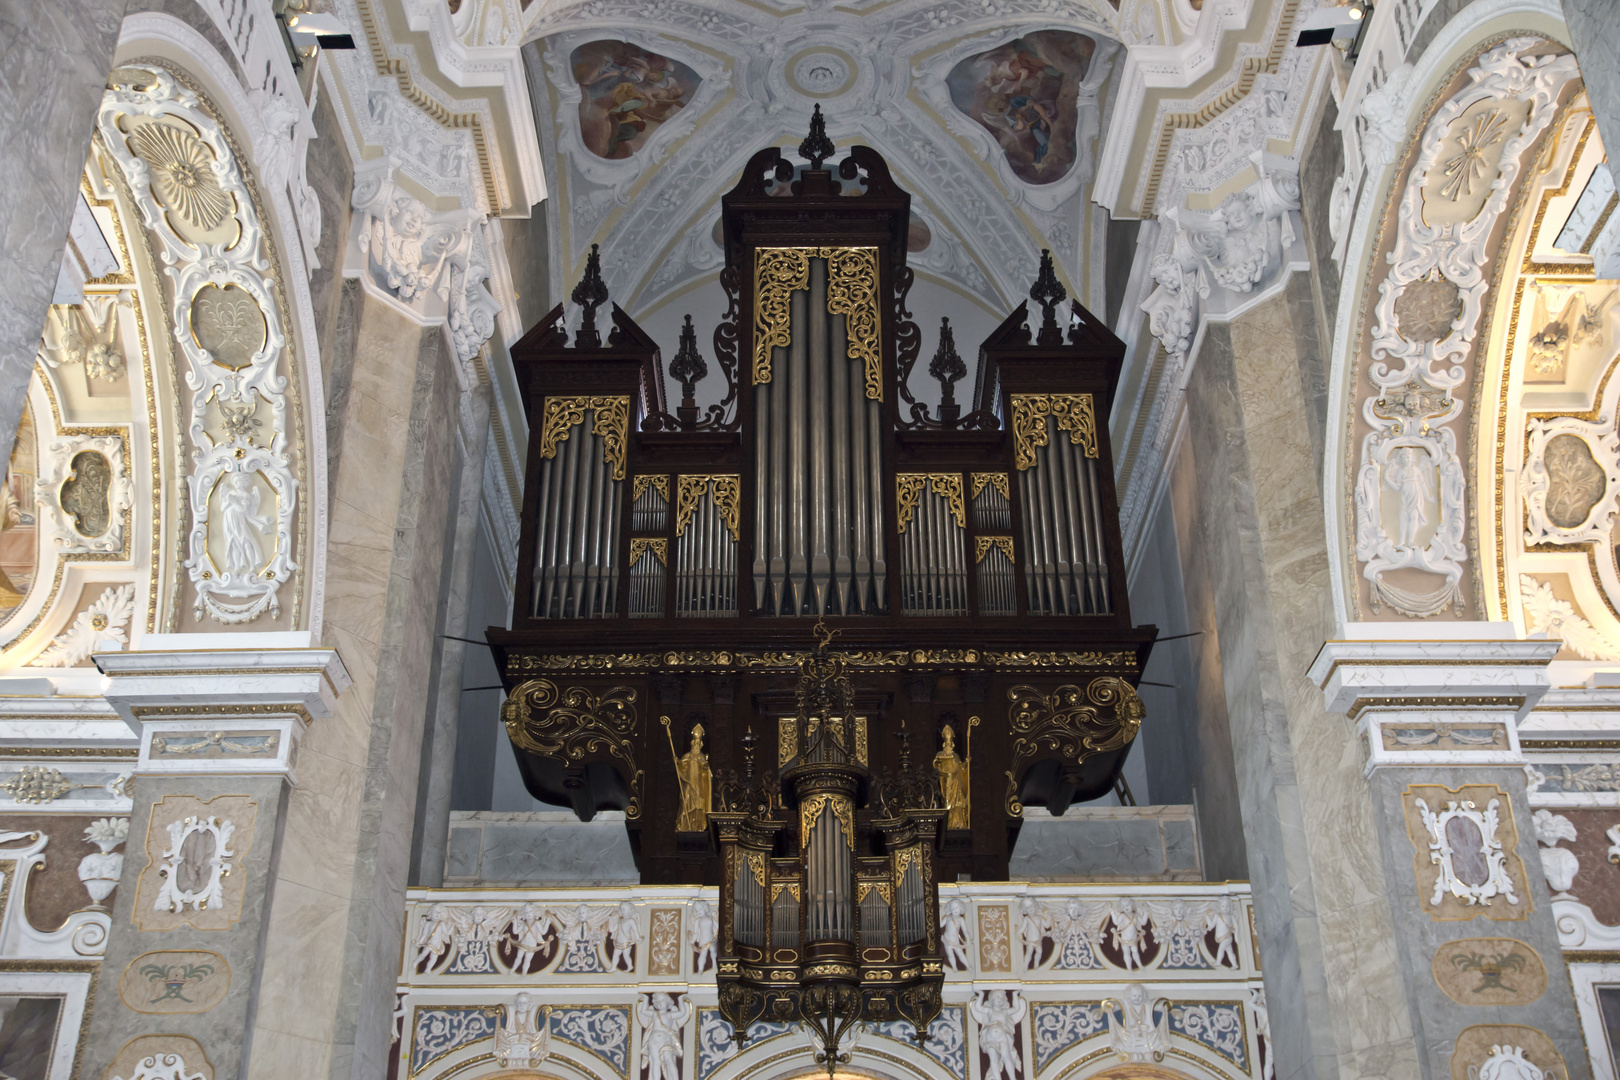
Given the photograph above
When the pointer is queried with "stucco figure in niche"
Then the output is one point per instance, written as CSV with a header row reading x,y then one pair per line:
x,y
1411,481
1025,93
27,1036
19,550
626,94
662,1024
238,500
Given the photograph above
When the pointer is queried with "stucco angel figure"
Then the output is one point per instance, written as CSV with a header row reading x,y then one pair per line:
x,y
401,249
997,1016
661,1023
1138,1037
583,935
531,924
705,930
524,1041
1129,922
953,933
442,925
1222,919
625,933
240,520
1033,924
1410,475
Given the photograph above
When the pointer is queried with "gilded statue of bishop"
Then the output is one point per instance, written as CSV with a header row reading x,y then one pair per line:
x,y
697,782
953,780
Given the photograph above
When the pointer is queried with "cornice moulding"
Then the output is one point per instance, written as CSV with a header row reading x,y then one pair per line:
x,y
1350,670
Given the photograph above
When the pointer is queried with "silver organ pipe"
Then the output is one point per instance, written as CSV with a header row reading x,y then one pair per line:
x,y
580,509
997,590
647,573
1066,564
705,554
910,903
650,511
829,880
785,919
749,907
991,511
817,529
874,919
933,557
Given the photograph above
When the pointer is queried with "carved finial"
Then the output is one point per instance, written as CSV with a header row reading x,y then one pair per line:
x,y
689,368
590,293
947,367
904,738
749,741
816,146
823,634
1049,294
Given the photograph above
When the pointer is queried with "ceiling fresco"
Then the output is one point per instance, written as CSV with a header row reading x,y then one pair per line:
x,y
626,94
1025,93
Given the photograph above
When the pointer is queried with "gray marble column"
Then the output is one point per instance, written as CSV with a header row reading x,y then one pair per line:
x,y
219,739
1594,28
439,764
54,59
1335,995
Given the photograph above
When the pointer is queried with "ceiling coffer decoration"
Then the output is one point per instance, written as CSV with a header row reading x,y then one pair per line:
x,y
670,560
194,199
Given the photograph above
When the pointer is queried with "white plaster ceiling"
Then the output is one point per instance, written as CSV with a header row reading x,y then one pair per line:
x,y
878,69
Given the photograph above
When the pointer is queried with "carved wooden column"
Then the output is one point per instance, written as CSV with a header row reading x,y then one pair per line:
x,y
1478,945
219,733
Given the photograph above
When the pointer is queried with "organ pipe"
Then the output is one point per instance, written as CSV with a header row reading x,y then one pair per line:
x,y
575,574
1066,562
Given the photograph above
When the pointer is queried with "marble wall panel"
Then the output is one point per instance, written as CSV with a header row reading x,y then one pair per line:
x,y
527,253
551,847
1446,1013
331,177
237,940
1110,843
1594,29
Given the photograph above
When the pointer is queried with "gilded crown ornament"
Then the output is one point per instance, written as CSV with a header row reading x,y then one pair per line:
x,y
1049,293
816,146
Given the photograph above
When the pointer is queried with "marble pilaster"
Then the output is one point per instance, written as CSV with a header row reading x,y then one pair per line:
x,y
219,725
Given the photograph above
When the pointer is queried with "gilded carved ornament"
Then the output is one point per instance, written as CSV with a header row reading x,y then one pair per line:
x,y
983,544
811,808
851,291
640,485
997,480
573,724
1071,722
862,658
908,490
612,423
727,493
1073,413
640,545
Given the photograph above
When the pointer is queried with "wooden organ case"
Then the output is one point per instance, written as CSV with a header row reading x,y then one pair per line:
x,y
966,558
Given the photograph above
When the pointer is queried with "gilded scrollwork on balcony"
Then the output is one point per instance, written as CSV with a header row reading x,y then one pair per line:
x,y
1070,722
577,725
1073,413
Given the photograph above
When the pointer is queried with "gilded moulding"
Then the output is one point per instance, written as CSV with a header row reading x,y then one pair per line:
x,y
908,491
727,493
612,423
997,480
573,724
1073,413
851,292
641,545
983,544
871,658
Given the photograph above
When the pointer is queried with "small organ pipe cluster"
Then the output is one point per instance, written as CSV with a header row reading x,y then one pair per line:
x,y
672,561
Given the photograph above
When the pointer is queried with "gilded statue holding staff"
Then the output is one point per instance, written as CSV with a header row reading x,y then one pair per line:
x,y
697,782
953,775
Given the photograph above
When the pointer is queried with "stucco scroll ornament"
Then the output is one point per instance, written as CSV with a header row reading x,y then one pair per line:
x,y
278,151
1547,615
1560,865
101,627
227,322
84,493
1234,248
432,262
164,1067
195,864
1409,485
1464,845
1571,479
1506,1063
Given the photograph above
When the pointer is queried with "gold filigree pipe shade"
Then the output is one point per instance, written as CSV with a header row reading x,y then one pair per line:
x,y
908,492
852,275
997,480
659,484
612,423
1073,413
640,545
983,544
841,808
727,493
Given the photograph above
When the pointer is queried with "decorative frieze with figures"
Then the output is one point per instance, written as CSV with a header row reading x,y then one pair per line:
x,y
618,985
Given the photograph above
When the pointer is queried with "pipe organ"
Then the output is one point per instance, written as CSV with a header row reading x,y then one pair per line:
x,y
962,564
